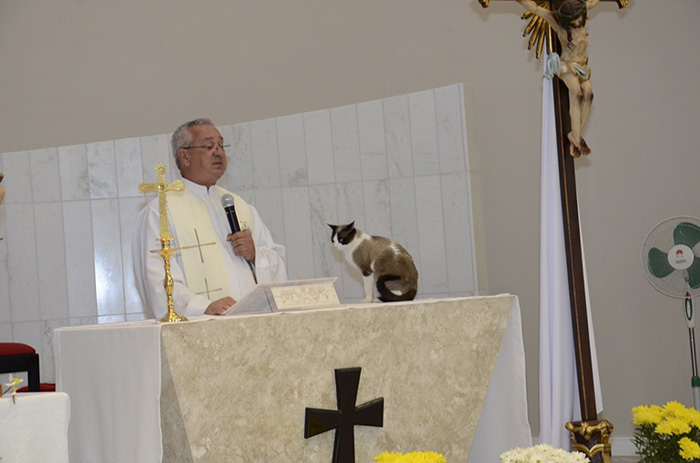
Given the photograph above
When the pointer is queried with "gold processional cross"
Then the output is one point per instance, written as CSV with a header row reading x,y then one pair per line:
x,y
590,435
162,187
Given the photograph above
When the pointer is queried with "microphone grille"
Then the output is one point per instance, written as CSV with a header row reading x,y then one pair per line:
x,y
227,200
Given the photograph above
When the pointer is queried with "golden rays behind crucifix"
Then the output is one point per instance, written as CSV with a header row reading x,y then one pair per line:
x,y
539,30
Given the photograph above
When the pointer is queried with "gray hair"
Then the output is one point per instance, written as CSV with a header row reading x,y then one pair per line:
x,y
182,136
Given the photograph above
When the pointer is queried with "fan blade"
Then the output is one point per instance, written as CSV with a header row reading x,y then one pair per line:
x,y
694,273
686,233
658,263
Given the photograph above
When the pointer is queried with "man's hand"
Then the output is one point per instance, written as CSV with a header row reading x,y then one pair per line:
x,y
219,306
243,245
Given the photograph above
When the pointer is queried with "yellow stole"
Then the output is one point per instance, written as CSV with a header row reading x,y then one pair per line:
x,y
203,264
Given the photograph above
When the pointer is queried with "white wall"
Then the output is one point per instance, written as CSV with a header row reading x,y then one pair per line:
x,y
77,72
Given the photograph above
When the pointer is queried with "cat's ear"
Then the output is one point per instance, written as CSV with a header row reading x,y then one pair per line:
x,y
351,226
333,227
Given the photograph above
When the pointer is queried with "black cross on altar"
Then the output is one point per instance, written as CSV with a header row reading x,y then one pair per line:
x,y
344,420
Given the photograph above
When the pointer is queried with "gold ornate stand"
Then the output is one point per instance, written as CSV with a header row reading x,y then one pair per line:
x,y
162,187
592,438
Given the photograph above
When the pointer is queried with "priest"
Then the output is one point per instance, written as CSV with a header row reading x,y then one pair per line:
x,y
214,267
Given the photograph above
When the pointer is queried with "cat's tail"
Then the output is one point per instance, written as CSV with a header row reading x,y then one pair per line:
x,y
387,295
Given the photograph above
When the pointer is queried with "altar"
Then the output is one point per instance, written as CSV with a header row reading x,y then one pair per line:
x,y
451,373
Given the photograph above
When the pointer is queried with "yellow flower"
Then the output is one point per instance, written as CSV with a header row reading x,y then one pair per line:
x,y
690,450
647,414
674,408
413,457
672,426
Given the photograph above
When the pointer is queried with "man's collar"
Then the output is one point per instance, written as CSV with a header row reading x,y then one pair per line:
x,y
196,187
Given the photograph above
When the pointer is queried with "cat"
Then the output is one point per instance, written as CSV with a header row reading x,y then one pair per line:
x,y
384,263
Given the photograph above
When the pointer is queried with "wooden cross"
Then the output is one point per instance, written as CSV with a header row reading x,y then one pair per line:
x,y
344,420
162,187
572,232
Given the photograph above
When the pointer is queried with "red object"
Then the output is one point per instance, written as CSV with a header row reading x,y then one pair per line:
x,y
17,357
43,387
15,348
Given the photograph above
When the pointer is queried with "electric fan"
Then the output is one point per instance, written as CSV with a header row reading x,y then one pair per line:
x,y
671,263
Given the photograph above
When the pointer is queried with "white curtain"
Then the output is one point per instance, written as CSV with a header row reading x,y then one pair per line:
x,y
559,398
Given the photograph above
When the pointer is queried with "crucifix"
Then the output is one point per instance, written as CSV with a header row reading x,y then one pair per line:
x,y
162,187
344,420
572,99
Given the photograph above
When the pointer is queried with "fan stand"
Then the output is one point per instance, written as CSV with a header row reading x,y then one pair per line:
x,y
690,318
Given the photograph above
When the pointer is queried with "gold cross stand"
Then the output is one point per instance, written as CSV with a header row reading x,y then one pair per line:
x,y
162,187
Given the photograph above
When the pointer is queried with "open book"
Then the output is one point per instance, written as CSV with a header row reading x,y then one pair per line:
x,y
287,295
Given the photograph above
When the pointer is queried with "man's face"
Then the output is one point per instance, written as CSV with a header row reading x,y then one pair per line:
x,y
204,161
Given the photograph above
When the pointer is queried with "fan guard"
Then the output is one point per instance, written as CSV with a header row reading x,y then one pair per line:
x,y
674,277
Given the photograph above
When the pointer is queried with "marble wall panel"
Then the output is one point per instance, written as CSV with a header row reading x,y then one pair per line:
x,y
109,283
426,160
80,259
319,147
239,173
450,132
129,166
292,150
102,170
297,228
18,178
322,199
22,262
46,184
377,207
346,144
5,316
128,210
431,233
154,150
266,165
459,237
402,194
51,260
46,360
5,331
269,204
350,205
370,122
398,136
73,168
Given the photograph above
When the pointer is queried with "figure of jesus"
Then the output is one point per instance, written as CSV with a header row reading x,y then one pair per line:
x,y
569,22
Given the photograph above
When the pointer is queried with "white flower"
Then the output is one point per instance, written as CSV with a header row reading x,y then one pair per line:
x,y
14,382
542,453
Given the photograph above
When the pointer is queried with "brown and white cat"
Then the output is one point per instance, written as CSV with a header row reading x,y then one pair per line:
x,y
384,263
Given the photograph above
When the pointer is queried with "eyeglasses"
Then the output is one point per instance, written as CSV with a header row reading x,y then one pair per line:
x,y
209,147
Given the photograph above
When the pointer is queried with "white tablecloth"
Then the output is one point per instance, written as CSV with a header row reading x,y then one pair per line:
x,y
112,372
35,428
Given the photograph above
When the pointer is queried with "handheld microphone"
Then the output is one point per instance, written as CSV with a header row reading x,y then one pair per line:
x,y
227,201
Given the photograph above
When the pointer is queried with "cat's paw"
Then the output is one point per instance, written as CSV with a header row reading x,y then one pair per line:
x,y
366,300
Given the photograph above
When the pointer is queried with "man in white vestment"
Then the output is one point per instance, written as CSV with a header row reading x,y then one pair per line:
x,y
214,268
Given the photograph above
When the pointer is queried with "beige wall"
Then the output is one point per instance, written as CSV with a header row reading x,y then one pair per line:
x,y
77,71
